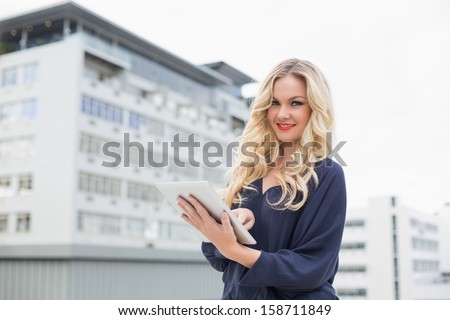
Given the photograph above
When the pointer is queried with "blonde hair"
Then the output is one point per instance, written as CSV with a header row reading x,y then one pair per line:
x,y
261,144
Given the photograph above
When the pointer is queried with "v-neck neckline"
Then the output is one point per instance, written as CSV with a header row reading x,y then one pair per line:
x,y
268,189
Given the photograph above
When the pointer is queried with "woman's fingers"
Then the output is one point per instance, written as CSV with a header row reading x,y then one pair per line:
x,y
238,214
197,216
186,218
189,211
249,224
202,212
226,223
245,216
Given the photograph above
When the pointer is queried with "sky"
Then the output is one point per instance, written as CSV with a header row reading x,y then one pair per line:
x,y
387,63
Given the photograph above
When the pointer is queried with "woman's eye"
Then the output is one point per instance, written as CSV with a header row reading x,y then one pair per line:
x,y
297,103
275,103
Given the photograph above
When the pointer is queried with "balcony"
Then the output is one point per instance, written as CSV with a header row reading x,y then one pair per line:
x,y
107,51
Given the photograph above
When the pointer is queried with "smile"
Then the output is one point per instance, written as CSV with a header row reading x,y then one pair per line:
x,y
285,126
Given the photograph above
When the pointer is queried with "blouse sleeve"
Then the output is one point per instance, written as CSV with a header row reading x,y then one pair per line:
x,y
215,258
316,242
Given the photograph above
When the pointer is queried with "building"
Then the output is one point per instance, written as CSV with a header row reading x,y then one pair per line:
x,y
73,83
390,251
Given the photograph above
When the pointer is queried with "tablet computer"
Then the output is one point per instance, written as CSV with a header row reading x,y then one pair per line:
x,y
205,194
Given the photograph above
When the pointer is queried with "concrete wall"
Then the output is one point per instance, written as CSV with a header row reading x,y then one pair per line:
x,y
101,273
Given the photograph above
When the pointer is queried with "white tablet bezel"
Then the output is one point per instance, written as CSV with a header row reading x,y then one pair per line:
x,y
205,194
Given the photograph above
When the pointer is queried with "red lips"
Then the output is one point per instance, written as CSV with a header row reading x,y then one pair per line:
x,y
285,126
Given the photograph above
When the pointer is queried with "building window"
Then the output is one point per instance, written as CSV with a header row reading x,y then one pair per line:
x,y
141,122
352,269
25,183
423,227
135,121
352,293
88,144
424,244
432,228
29,109
23,223
9,77
18,148
5,187
353,246
9,112
3,223
355,223
425,266
5,182
135,227
6,149
30,73
24,147
180,232
18,110
102,110
95,223
137,191
99,184
91,144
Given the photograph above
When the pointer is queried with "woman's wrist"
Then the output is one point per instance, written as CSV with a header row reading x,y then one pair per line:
x,y
242,254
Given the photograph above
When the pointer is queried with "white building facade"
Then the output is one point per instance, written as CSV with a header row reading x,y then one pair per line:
x,y
71,82
390,251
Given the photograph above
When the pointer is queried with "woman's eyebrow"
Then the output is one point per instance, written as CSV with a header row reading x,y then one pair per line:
x,y
295,97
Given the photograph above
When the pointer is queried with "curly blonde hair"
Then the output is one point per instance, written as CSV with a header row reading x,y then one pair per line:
x,y
262,147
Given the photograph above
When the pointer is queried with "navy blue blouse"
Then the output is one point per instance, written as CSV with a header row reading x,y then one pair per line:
x,y
299,250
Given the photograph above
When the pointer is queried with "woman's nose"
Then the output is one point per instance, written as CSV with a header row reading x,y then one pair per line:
x,y
283,113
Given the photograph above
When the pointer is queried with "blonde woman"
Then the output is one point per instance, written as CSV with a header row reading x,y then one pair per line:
x,y
290,196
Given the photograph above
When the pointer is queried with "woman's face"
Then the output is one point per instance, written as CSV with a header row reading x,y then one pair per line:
x,y
289,112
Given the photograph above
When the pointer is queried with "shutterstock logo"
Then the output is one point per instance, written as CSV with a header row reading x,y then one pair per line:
x,y
213,154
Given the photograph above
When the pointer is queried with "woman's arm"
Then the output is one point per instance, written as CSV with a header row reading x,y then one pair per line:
x,y
214,257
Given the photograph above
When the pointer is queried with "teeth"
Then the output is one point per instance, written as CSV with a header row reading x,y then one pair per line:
x,y
285,125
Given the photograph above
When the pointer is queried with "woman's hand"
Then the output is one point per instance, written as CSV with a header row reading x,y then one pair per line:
x,y
245,216
221,235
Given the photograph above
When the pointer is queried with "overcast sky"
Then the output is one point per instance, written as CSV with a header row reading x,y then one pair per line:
x,y
387,61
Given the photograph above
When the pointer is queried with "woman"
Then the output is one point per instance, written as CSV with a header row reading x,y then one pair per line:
x,y
285,191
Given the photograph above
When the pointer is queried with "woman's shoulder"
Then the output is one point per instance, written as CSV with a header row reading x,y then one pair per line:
x,y
329,173
326,167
